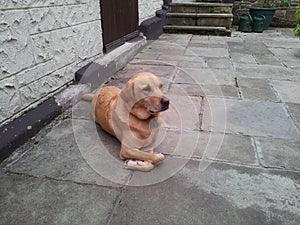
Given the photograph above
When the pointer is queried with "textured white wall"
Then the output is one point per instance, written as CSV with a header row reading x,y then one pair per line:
x,y
147,8
42,44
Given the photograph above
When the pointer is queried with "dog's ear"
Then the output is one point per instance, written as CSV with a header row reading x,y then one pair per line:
x,y
127,93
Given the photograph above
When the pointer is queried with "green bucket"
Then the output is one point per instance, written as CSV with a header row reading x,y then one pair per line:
x,y
258,23
244,22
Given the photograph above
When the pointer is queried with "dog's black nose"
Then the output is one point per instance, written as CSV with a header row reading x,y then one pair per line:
x,y
164,102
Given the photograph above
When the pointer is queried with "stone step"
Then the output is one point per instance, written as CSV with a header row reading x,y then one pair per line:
x,y
204,7
200,19
199,30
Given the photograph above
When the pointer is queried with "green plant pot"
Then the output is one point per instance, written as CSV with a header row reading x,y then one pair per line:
x,y
268,13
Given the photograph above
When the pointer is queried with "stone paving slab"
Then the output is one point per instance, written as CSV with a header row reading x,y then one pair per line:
x,y
208,44
219,63
240,58
176,38
210,90
147,56
30,200
250,48
222,194
187,89
166,72
287,90
234,148
288,57
225,91
182,143
294,109
183,112
168,48
205,76
255,118
269,59
208,145
279,153
179,59
60,156
257,89
207,52
265,72
186,64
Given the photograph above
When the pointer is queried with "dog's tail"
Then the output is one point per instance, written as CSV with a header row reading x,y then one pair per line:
x,y
88,97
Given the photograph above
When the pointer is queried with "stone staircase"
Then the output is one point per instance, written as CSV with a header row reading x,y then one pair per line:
x,y
204,18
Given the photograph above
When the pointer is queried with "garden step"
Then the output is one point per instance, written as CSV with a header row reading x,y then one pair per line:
x,y
197,17
200,19
200,30
200,7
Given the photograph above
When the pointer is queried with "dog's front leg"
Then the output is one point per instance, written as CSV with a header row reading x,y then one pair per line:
x,y
134,153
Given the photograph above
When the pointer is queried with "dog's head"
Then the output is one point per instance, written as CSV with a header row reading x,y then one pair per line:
x,y
143,94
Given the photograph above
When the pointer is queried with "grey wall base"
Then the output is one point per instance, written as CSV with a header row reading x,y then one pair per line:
x,y
152,28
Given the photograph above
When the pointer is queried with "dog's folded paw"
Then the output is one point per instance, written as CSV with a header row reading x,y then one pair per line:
x,y
144,166
159,157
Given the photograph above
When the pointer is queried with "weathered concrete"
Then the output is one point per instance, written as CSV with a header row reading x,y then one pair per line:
x,y
231,139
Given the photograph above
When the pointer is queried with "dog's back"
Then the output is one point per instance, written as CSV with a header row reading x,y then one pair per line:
x,y
102,102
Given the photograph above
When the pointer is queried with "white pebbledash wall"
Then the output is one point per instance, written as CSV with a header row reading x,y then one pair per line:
x,y
42,44
147,8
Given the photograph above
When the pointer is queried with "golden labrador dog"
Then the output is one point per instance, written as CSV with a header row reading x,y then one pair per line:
x,y
133,115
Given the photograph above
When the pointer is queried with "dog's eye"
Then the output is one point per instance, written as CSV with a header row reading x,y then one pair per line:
x,y
161,86
147,88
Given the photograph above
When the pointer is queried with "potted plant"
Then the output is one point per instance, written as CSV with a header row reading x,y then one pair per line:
x,y
267,8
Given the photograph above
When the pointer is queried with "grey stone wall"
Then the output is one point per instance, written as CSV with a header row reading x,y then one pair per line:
x,y
42,43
